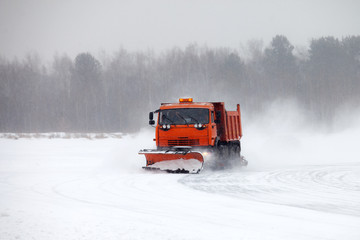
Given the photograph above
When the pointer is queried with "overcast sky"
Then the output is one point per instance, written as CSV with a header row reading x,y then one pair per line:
x,y
72,26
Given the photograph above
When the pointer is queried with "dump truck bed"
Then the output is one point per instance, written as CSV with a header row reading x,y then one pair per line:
x,y
229,128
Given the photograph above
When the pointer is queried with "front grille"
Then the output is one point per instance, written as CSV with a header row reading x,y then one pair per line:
x,y
183,142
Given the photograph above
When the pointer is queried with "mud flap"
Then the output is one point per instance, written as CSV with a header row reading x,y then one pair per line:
x,y
173,161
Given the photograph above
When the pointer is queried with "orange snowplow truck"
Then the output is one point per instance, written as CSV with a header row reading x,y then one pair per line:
x,y
187,131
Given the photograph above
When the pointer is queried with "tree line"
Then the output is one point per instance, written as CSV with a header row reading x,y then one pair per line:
x,y
116,93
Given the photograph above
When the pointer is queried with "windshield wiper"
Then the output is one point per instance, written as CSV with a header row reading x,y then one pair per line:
x,y
166,117
197,121
182,117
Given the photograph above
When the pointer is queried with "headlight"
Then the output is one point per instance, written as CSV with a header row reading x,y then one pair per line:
x,y
168,126
164,126
200,125
196,125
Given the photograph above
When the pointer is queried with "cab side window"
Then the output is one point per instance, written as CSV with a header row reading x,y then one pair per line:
x,y
212,116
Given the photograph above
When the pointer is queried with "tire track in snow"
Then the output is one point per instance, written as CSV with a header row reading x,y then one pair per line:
x,y
108,192
334,188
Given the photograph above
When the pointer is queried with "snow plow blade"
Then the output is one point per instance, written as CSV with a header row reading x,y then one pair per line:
x,y
173,161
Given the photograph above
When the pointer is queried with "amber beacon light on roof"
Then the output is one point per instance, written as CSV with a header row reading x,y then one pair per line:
x,y
187,131
185,100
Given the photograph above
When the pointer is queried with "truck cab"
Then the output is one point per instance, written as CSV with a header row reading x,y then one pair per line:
x,y
186,124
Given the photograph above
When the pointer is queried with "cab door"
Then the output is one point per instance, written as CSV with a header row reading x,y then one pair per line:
x,y
213,130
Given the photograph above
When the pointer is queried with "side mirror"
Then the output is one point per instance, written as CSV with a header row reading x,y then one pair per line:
x,y
151,118
218,117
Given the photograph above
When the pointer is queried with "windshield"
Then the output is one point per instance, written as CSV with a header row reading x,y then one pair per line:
x,y
181,116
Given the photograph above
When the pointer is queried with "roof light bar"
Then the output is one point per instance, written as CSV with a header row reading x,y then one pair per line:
x,y
182,100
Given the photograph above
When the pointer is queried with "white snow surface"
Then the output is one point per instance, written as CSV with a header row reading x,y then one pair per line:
x,y
298,185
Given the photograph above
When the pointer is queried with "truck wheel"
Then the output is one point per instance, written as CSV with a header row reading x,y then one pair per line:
x,y
237,151
222,151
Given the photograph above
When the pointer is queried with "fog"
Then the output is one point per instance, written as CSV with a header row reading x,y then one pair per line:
x,y
116,93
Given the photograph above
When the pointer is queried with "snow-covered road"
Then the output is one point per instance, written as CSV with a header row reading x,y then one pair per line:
x,y
96,189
